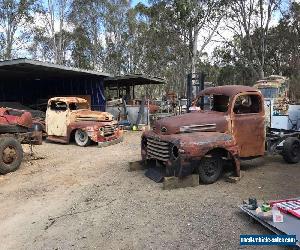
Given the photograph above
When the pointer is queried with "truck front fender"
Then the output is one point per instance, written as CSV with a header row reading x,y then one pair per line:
x,y
211,143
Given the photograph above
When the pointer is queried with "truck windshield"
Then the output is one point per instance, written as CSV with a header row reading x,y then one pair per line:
x,y
77,106
269,92
217,103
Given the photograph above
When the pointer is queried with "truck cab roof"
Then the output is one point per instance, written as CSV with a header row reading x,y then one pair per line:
x,y
228,90
68,99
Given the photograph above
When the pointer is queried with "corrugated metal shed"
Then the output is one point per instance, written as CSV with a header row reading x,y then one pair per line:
x,y
32,82
28,81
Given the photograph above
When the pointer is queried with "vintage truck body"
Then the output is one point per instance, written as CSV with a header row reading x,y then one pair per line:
x,y
71,118
282,107
232,129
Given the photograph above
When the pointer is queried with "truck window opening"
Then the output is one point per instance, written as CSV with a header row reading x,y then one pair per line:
x,y
246,104
58,106
219,103
78,106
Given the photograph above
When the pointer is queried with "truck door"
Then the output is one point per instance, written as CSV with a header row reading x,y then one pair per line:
x,y
56,118
248,124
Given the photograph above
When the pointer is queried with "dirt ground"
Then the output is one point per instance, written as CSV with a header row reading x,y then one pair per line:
x,y
85,198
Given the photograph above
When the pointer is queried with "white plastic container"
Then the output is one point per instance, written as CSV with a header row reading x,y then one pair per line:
x,y
277,215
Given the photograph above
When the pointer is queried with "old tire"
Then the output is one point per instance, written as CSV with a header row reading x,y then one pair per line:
x,y
11,153
81,138
291,150
210,169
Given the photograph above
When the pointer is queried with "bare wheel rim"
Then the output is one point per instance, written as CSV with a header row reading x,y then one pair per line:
x,y
9,155
82,136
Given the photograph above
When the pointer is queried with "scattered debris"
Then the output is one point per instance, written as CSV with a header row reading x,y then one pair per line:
x,y
234,179
54,219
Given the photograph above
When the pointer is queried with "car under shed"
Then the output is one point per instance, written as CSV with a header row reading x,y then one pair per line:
x,y
32,83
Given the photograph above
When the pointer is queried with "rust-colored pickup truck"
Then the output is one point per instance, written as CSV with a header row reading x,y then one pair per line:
x,y
232,128
70,118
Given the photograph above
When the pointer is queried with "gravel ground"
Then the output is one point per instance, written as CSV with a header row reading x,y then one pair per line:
x,y
69,197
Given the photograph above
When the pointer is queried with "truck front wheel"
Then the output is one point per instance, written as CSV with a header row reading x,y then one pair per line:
x,y
210,169
11,153
81,138
291,150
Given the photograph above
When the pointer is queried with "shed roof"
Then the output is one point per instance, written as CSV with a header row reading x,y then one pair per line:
x,y
131,80
23,67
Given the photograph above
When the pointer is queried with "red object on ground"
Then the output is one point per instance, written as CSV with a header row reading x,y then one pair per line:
x,y
15,117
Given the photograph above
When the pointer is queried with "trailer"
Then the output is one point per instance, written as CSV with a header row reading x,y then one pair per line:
x,y
16,128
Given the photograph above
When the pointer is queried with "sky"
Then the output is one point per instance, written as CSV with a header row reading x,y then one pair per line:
x,y
135,2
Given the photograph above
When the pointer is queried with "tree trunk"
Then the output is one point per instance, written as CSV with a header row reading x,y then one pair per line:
x,y
261,73
193,42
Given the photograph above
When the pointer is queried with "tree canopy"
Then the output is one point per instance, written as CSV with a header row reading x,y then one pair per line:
x,y
231,41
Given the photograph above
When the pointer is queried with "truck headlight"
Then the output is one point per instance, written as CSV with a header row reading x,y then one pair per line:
x,y
101,131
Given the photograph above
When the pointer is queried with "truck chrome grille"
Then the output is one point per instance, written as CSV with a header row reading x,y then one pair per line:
x,y
109,130
158,149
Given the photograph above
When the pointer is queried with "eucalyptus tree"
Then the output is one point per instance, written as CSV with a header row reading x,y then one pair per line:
x,y
15,19
251,20
52,31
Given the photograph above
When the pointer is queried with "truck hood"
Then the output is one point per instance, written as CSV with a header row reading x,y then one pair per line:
x,y
88,115
203,121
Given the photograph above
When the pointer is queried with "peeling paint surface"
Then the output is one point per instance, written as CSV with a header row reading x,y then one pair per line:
x,y
64,119
57,122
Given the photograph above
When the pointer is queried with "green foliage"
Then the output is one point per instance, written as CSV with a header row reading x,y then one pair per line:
x,y
165,38
282,53
15,17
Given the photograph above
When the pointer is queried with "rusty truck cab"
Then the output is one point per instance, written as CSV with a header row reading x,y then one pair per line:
x,y
232,127
58,116
244,107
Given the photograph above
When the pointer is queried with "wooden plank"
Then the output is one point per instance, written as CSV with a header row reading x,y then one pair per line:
x,y
136,165
175,182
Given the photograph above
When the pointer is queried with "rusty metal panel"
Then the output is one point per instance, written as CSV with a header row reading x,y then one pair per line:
x,y
229,90
248,129
206,119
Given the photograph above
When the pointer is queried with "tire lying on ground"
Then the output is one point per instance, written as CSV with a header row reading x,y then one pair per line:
x,y
11,155
291,150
